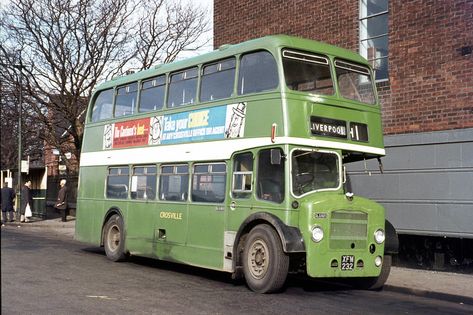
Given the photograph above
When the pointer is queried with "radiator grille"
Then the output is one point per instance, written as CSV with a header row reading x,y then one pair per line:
x,y
348,230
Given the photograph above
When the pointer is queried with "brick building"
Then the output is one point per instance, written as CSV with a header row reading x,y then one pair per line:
x,y
423,52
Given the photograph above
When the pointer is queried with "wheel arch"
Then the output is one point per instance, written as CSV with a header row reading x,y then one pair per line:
x,y
392,241
291,238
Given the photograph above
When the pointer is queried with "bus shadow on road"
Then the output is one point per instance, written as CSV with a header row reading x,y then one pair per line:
x,y
294,281
307,284
168,266
181,268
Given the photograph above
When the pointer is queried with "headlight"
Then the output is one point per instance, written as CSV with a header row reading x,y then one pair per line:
x,y
317,234
379,236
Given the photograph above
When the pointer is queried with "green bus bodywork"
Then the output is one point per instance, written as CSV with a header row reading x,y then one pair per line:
x,y
215,234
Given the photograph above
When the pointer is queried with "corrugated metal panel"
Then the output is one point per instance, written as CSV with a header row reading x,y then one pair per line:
x,y
427,187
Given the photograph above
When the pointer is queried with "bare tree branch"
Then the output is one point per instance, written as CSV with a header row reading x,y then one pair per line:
x,y
68,46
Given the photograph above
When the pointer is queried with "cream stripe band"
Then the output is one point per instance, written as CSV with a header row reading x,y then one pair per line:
x,y
205,151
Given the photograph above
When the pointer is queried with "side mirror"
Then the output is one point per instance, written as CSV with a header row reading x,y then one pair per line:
x,y
276,156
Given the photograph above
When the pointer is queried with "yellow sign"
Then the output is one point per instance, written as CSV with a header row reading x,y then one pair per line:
x,y
170,215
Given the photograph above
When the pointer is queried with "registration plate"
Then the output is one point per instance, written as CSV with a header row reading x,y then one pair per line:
x,y
348,262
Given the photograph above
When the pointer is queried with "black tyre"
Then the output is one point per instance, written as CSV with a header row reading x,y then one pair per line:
x,y
114,238
265,265
376,283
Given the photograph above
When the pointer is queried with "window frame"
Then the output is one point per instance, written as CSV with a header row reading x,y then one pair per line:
x,y
109,169
238,74
133,175
175,171
134,108
318,59
97,95
340,170
212,173
361,69
155,84
183,72
242,193
218,62
365,38
259,194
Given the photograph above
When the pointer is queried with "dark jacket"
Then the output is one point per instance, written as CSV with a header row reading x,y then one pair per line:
x,y
26,198
61,202
8,198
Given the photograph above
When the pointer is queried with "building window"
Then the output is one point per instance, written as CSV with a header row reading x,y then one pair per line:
x,y
374,35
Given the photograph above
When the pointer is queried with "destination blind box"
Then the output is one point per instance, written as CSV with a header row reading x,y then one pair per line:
x,y
327,127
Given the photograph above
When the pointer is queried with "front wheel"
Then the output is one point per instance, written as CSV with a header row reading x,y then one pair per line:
x,y
376,283
114,238
265,264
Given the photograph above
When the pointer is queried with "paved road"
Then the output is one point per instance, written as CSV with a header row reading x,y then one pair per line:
x,y
52,274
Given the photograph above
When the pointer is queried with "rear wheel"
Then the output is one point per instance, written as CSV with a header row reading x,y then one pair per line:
x,y
265,265
114,238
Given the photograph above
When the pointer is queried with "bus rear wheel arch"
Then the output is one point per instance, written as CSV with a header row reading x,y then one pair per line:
x,y
265,265
114,238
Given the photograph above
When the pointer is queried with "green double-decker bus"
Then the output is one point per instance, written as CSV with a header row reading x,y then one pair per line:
x,y
234,161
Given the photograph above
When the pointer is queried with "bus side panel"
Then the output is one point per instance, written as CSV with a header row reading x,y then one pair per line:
x,y
261,115
90,205
139,226
205,234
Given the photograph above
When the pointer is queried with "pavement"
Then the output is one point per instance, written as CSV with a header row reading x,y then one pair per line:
x,y
453,287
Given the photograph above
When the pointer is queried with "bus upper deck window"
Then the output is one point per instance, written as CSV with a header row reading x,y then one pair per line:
x,y
307,72
217,80
183,88
152,94
354,82
125,102
103,106
258,72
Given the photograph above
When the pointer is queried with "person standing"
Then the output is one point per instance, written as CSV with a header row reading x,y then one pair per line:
x,y
26,199
8,198
61,203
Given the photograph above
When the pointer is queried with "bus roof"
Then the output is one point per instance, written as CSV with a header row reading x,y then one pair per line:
x,y
270,43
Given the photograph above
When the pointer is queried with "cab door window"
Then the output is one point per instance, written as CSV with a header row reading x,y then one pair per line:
x,y
242,184
270,180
